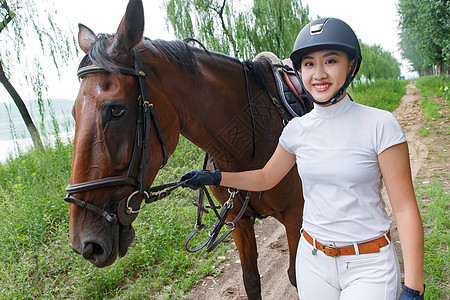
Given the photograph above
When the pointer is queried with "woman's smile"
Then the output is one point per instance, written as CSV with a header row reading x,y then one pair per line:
x,y
322,86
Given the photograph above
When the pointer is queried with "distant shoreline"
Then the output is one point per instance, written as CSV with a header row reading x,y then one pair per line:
x,y
13,148
17,137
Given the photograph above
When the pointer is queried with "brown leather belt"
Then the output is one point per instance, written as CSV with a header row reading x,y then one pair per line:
x,y
364,248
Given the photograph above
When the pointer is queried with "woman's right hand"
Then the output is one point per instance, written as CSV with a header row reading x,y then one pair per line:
x,y
196,179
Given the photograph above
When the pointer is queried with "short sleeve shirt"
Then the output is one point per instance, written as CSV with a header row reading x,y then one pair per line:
x,y
336,149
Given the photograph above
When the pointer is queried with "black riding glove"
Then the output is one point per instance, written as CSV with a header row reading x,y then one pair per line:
x,y
196,179
410,294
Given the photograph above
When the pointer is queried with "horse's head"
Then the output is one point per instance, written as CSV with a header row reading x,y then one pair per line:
x,y
117,150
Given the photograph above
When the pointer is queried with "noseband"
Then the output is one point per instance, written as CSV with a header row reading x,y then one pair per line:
x,y
146,115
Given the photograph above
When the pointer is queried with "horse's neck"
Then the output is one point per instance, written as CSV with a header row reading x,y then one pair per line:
x,y
214,111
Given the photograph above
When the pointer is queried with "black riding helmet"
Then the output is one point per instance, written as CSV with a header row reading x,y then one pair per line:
x,y
323,34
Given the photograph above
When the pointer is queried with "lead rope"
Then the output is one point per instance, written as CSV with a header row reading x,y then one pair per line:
x,y
212,240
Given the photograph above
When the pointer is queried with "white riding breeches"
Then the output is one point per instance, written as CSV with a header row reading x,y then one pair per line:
x,y
373,276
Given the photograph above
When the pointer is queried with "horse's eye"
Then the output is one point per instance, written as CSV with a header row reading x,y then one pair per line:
x,y
117,112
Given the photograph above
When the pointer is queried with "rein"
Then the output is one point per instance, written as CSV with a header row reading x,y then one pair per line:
x,y
213,238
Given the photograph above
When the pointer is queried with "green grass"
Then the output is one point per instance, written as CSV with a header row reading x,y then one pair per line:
x,y
434,206
431,109
434,201
424,131
430,86
36,260
384,94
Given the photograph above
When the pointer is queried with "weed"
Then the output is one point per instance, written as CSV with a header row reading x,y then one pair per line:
x,y
431,109
423,131
430,86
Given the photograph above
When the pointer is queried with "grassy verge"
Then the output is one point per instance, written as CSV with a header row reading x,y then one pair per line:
x,y
36,260
434,208
432,189
383,94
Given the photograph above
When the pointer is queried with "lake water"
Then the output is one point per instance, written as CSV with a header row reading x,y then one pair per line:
x,y
14,136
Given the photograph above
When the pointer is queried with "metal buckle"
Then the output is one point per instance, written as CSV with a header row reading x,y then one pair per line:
x,y
229,202
129,209
331,251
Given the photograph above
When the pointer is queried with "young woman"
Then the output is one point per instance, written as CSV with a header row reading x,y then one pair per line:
x,y
342,150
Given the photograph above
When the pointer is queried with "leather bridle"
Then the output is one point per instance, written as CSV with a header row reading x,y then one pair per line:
x,y
146,115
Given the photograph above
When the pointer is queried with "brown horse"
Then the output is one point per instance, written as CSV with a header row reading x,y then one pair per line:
x,y
201,95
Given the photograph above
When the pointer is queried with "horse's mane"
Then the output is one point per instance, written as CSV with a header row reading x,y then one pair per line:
x,y
176,51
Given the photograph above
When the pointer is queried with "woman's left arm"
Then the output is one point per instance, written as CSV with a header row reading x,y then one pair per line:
x,y
395,168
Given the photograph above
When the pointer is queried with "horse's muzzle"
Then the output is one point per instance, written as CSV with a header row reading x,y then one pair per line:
x,y
75,250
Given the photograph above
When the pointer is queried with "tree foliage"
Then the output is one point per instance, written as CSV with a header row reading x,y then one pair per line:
x,y
230,27
26,25
377,64
276,25
425,32
268,25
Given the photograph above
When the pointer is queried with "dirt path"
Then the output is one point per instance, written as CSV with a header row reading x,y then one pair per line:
x,y
271,236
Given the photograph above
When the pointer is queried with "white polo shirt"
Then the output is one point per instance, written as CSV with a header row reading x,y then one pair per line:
x,y
337,150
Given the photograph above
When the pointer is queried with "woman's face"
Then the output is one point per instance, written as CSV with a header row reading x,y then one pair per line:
x,y
324,72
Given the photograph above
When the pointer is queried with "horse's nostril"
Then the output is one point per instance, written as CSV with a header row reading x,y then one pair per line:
x,y
92,251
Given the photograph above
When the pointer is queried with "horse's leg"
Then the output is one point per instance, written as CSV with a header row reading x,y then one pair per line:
x,y
244,238
293,236
291,218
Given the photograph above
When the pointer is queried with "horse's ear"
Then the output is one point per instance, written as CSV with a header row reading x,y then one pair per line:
x,y
85,37
130,31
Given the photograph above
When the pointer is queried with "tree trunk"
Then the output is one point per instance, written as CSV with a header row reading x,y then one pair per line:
x,y
22,109
8,17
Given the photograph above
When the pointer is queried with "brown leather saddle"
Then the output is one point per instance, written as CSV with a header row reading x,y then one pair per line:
x,y
291,91
291,79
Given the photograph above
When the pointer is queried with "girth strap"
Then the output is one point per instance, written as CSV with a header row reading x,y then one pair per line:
x,y
247,67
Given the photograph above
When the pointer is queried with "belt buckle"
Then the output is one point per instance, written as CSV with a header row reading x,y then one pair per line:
x,y
332,251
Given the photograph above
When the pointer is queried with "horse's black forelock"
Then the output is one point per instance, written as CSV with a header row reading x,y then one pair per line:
x,y
98,54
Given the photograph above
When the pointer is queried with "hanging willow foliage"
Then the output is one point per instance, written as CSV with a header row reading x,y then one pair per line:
x,y
30,35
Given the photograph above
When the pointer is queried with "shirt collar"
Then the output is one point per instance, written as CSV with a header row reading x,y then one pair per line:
x,y
334,110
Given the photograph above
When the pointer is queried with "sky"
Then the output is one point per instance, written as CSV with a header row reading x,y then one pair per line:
x,y
374,22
